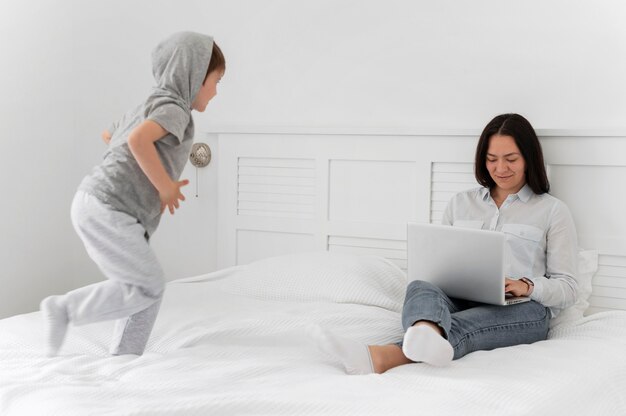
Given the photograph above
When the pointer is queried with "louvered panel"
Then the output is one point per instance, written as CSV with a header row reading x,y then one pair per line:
x,y
277,162
273,171
609,281
443,197
277,198
454,177
603,303
447,179
605,261
610,270
610,292
453,187
609,284
436,217
286,215
392,250
275,207
275,187
438,205
453,167
277,180
261,188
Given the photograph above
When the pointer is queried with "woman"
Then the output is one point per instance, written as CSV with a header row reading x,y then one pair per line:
x,y
541,249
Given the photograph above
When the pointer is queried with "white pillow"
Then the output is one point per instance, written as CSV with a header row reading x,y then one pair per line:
x,y
587,267
322,276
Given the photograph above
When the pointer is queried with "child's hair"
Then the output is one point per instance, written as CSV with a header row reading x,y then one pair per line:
x,y
217,62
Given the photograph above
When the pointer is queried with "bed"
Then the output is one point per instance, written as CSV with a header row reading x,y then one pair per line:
x,y
313,235
242,341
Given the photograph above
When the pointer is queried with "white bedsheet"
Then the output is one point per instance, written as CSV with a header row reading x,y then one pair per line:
x,y
218,353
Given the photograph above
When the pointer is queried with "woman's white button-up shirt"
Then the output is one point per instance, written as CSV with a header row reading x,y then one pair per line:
x,y
540,243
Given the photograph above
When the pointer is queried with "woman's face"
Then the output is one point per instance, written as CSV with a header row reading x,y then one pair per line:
x,y
505,164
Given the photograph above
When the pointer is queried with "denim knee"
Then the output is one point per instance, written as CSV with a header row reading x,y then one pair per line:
x,y
425,301
419,285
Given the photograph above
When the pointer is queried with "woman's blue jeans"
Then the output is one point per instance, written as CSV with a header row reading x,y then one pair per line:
x,y
472,326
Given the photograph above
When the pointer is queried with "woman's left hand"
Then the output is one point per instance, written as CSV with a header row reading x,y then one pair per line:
x,y
516,287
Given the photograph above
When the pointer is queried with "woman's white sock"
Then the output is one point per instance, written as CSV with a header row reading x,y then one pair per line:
x,y
353,355
424,344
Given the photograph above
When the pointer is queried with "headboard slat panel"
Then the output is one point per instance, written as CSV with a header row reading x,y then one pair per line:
x,y
354,193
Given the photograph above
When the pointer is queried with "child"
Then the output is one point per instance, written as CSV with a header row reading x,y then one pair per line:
x,y
118,206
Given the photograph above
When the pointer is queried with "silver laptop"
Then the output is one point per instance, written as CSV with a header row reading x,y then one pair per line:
x,y
465,263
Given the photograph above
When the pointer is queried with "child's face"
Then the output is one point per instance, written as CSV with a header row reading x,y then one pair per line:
x,y
207,91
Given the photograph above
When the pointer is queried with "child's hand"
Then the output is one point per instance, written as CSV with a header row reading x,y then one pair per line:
x,y
106,137
170,196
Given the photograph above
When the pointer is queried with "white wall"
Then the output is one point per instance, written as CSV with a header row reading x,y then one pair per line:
x,y
435,64
69,68
36,120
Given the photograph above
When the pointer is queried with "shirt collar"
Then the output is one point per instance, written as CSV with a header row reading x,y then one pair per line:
x,y
523,194
484,193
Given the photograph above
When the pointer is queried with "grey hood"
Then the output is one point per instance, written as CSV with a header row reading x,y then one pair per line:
x,y
179,66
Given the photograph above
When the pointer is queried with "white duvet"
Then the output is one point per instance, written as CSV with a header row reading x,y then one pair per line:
x,y
221,347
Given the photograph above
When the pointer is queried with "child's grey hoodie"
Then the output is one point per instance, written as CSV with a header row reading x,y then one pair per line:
x,y
179,65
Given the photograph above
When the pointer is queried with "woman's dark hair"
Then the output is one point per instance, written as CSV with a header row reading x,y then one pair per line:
x,y
217,61
526,140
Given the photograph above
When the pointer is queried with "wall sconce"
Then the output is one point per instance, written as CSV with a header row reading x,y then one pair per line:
x,y
200,155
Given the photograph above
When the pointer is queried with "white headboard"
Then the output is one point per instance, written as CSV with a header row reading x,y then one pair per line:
x,y
284,191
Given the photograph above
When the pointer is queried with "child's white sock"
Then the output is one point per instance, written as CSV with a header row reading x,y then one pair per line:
x,y
56,322
424,344
354,355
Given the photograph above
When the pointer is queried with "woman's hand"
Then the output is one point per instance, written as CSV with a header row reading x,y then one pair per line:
x,y
516,287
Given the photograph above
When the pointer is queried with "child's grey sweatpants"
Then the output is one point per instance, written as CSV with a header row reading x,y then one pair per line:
x,y
117,243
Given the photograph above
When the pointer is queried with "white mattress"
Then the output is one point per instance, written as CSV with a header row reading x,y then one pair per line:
x,y
218,353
